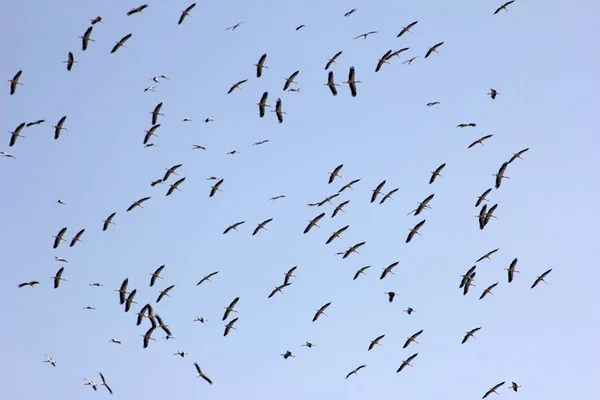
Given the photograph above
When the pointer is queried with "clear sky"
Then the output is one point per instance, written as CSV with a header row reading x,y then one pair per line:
x,y
539,56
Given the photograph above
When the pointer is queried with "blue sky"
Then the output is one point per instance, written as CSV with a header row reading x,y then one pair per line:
x,y
540,58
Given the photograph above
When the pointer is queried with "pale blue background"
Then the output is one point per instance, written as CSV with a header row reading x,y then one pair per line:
x,y
540,56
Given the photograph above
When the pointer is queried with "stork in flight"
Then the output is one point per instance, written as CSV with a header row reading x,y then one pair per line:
x,y
503,7
207,278
360,272
352,82
493,93
234,27
321,311
333,60
15,81
353,249
202,374
414,231
470,334
121,43
365,35
331,83
500,175
407,28
433,49
541,278
70,61
492,390
260,65
412,339
85,39
407,362
436,173
186,13
290,80
261,226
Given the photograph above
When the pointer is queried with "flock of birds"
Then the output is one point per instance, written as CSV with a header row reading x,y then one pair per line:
x,y
126,295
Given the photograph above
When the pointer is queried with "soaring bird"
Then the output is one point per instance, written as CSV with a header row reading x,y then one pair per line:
x,y
365,35
482,197
156,112
105,384
229,326
96,20
331,83
469,334
360,272
121,43
164,293
414,231
433,49
375,342
123,292
108,221
352,82
234,27
391,296
339,207
383,60
480,140
229,309
156,274
488,290
207,278
287,355
59,127
15,81
175,186
76,238
129,301
377,191
335,173
355,371
493,93
487,255
407,28
38,122
7,155
503,7
313,222
337,234
279,289
513,158
201,374
321,311
389,195
433,103
70,61
237,85
186,13
278,111
289,275
151,132
514,386
412,339
58,277
511,270
30,283
261,226
59,237
138,203
410,60
261,65
500,175
353,249
214,189
290,80
85,39
541,278
493,390
333,60
388,269
262,104
234,227
50,360
349,13
467,125
436,173
16,134
137,9
422,205
407,362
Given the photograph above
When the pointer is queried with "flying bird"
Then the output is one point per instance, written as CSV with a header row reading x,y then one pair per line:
x,y
354,371
352,82
290,80
108,221
50,360
38,122
333,60
335,173
493,93
77,238
414,231
337,234
30,283
156,274
229,326
261,226
137,10
436,173
289,275
353,249
514,386
433,49
479,141
482,198
503,7
388,269
407,28
469,334
391,296
59,127
422,205
138,203
321,311
85,39
237,85
349,13
262,104
488,290
467,125
412,339
59,237
7,155
278,111
279,289
389,195
16,134
214,189
511,270
493,390
541,278
383,60
70,61
377,191
186,13
58,277
407,362
15,81
365,35
339,207
201,374
313,222
229,309
175,186
300,27
331,83
156,112
487,255
513,158
151,132
121,43
96,20
360,272
164,293
261,65
207,278
500,175
234,227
